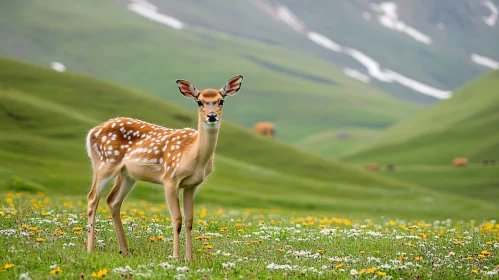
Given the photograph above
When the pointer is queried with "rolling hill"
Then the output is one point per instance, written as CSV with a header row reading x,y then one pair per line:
x,y
107,40
423,147
44,116
463,126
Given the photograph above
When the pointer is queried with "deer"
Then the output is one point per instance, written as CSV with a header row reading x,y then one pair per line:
x,y
130,150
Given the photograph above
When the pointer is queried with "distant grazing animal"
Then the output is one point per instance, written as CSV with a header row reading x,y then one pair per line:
x,y
371,167
390,167
485,162
131,150
492,162
265,128
460,162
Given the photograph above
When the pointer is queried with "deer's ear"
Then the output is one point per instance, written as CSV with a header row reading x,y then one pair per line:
x,y
187,89
232,86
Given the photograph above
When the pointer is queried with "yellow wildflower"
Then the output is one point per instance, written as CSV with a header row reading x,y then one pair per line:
x,y
339,266
56,271
371,270
99,274
380,273
9,265
419,258
39,239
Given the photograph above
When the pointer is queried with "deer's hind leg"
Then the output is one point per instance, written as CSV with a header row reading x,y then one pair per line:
x,y
122,187
99,183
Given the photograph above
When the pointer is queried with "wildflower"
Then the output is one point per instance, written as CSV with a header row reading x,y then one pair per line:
x,y
39,239
371,270
280,250
362,252
223,229
203,237
203,213
228,265
99,274
55,271
488,242
152,239
380,273
320,251
353,272
362,271
208,246
160,237
485,252
338,266
77,228
423,236
8,266
419,258
474,271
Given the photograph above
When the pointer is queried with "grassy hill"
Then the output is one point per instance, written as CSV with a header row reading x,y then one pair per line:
x,y
44,116
424,146
463,126
108,41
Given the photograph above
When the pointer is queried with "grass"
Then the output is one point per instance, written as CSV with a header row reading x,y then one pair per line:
x,y
252,243
462,126
47,115
137,52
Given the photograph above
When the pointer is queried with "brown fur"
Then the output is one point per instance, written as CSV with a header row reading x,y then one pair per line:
x,y
265,128
371,167
460,162
131,150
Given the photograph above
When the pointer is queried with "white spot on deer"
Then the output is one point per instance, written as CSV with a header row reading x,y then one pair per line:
x,y
173,158
168,155
178,147
179,142
153,160
104,138
113,125
112,160
173,148
116,152
121,124
178,155
129,123
160,160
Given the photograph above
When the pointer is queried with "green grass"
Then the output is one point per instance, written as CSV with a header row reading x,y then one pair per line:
x,y
134,51
46,116
463,126
423,147
228,243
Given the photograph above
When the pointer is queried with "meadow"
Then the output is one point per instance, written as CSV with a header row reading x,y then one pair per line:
x,y
238,244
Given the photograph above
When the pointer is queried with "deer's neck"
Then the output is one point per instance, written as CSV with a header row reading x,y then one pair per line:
x,y
206,143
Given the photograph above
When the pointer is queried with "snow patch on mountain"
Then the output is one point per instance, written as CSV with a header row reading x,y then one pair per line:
x,y
352,73
58,66
388,17
374,69
323,41
150,11
485,61
492,19
284,14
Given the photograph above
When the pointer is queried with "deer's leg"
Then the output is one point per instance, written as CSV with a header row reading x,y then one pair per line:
x,y
122,187
189,217
171,193
98,185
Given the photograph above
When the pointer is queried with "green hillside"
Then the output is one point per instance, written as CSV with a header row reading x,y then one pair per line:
x,y
463,126
108,41
44,116
423,147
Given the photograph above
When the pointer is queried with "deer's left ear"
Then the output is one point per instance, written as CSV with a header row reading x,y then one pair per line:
x,y
187,89
232,86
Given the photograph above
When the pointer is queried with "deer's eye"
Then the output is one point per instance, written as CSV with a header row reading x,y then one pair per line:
x,y
221,102
200,103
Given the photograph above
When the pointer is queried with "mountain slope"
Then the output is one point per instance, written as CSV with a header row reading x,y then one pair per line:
x,y
45,116
111,42
463,126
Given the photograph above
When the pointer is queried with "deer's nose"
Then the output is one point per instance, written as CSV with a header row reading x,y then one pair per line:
x,y
212,117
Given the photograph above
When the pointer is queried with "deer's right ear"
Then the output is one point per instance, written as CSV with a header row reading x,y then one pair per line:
x,y
187,89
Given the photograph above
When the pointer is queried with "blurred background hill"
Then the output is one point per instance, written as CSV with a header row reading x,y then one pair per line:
x,y
356,81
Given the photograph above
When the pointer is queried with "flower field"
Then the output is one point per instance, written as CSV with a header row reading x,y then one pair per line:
x,y
44,237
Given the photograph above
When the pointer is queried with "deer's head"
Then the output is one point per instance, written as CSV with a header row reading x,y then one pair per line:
x,y
210,101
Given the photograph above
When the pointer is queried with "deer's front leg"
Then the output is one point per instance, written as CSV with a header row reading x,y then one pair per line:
x,y
176,216
189,217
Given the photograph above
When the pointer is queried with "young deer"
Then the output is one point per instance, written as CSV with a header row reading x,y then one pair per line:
x,y
132,150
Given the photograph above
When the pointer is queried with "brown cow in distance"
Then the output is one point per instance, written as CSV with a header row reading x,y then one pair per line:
x,y
390,167
460,162
371,166
265,128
